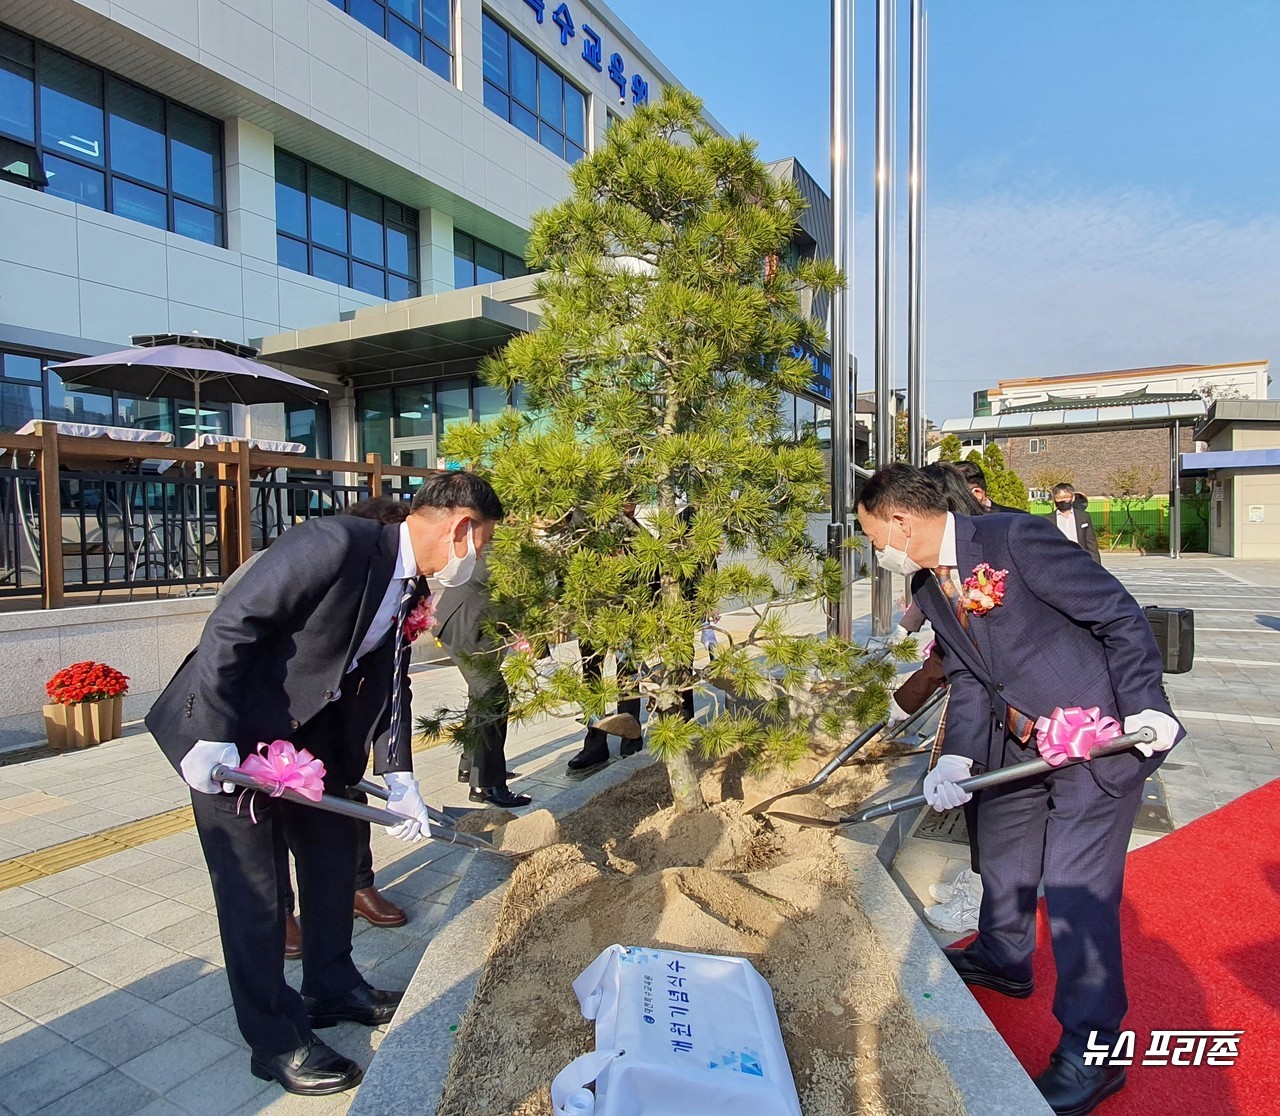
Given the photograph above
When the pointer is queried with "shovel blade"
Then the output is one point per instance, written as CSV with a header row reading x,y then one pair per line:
x,y
807,822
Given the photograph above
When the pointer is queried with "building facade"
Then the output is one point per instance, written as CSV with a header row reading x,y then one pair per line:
x,y
1089,429
1242,464
258,169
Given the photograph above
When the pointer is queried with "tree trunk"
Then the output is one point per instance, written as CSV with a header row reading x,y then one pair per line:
x,y
685,792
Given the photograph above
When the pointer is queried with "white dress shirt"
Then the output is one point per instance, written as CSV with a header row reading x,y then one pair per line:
x,y
1066,521
406,569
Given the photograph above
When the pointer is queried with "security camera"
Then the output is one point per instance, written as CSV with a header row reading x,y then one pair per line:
x,y
622,98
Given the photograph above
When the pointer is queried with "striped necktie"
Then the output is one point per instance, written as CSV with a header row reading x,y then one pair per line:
x,y
402,648
1020,725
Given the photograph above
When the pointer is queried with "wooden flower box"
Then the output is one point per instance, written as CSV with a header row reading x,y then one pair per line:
x,y
82,725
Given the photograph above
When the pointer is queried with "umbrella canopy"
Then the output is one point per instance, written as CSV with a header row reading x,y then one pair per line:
x,y
173,369
170,364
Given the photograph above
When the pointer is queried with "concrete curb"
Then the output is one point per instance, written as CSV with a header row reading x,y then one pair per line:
x,y
408,1072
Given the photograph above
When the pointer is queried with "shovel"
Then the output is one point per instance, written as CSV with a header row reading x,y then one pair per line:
x,y
334,804
987,779
376,790
847,752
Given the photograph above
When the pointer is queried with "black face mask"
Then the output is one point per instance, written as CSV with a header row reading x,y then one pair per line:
x,y
1064,505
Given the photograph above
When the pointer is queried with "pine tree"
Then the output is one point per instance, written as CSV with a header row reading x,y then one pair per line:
x,y
949,449
670,328
1004,486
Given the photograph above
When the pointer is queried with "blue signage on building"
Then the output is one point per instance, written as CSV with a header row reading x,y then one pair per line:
x,y
593,51
821,382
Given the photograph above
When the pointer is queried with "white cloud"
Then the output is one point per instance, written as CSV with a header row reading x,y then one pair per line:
x,y
1022,287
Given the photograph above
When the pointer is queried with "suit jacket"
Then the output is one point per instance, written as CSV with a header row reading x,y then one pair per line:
x,y
273,657
1085,534
1067,634
1006,508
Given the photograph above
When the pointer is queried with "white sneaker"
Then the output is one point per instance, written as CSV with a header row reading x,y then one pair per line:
x,y
958,916
963,880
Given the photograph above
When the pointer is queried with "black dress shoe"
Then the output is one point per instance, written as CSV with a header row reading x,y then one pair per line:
x,y
971,972
313,1070
1071,1088
591,757
499,796
631,747
363,1004
465,776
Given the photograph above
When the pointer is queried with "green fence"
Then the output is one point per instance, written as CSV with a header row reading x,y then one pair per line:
x,y
1145,524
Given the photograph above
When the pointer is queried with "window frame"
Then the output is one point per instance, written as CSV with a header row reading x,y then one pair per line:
x,y
513,267
425,40
544,127
396,217
1037,445
115,177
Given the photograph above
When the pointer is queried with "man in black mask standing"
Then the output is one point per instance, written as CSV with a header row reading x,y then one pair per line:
x,y
1071,517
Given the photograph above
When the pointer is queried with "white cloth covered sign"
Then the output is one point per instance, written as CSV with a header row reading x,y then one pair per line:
x,y
678,1033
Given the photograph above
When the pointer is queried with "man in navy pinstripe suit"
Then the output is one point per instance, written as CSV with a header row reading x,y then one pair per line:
x,y
1066,633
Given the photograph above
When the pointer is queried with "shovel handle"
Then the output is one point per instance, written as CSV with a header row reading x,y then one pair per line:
x,y
377,790
1001,775
334,804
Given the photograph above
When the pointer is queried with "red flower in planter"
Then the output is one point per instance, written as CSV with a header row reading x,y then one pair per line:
x,y
87,681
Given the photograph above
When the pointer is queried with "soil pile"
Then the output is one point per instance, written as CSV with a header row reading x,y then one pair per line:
x,y
628,869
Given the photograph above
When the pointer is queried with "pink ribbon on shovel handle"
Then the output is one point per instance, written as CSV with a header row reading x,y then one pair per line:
x,y
1070,734
286,768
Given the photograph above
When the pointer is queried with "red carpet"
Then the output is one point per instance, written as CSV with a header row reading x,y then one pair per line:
x,y
1201,924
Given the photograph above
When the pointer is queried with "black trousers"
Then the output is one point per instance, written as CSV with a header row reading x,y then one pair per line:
x,y
1064,830
247,862
364,859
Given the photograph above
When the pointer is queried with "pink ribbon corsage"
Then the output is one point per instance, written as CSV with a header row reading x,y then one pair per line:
x,y
420,619
285,768
983,589
1072,733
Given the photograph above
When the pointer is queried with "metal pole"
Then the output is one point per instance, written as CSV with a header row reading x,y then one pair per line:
x,y
841,620
915,213
886,10
1175,491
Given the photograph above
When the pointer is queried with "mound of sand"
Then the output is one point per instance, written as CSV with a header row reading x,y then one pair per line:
x,y
628,869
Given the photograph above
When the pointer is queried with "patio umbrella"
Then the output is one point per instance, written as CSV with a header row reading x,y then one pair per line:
x,y
168,364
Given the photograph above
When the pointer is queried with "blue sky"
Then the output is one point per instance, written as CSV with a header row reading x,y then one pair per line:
x,y
1103,176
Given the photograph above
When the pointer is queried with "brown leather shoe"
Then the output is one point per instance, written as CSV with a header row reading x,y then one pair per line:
x,y
375,909
292,938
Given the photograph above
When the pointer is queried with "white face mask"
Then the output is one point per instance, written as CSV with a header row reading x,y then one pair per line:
x,y
895,560
457,571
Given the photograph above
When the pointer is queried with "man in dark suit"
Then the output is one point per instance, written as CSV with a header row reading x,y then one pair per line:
x,y
461,615
309,646
1071,516
977,481
1064,633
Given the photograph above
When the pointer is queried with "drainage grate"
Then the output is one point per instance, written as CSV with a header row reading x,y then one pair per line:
x,y
948,827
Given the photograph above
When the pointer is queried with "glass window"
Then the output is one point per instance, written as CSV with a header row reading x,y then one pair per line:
x,y
527,91
490,401
488,263
343,232
18,366
144,414
75,182
19,404
806,417
310,426
420,28
453,403
414,411
74,404
291,195
107,143
138,203
464,261
71,106
137,133
374,409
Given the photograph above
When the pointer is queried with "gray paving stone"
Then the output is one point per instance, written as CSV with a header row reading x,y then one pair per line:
x,y
177,1059
91,943
127,899
112,1094
26,1043
191,931
51,997
156,986
147,921
55,927
48,1078
224,1024
93,1014
137,958
63,881
34,911
161,1106
200,999
143,1029
221,1087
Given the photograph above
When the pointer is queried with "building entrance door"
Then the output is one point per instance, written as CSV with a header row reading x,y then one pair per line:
x,y
412,453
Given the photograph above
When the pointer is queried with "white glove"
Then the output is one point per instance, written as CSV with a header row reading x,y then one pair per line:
x,y
198,764
898,635
896,714
1166,730
406,799
940,789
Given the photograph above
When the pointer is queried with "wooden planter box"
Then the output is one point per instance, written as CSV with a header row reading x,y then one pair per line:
x,y
82,725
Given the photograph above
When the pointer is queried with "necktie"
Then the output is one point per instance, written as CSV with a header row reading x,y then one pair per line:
x,y
1020,725
402,649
